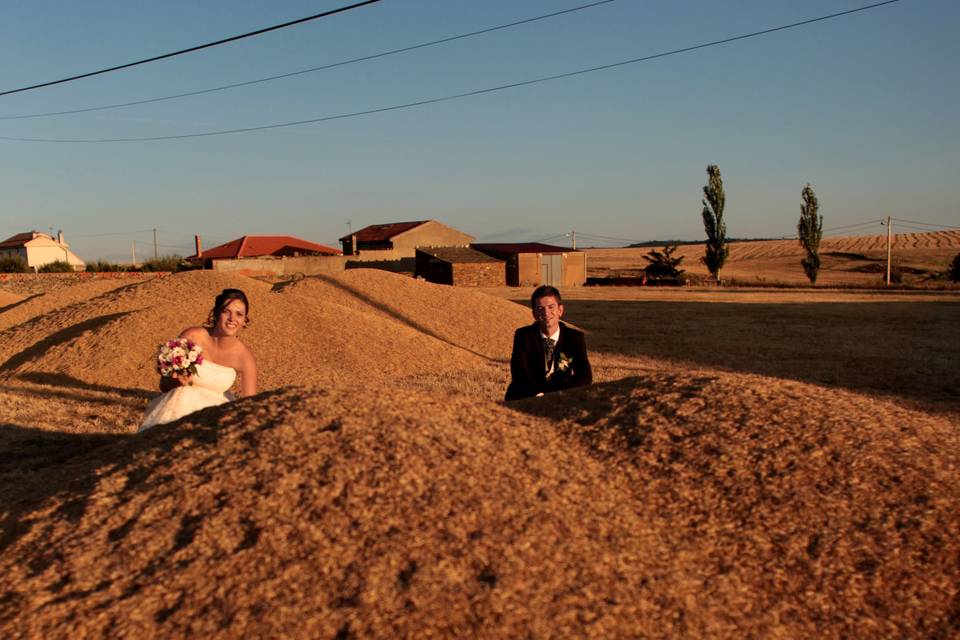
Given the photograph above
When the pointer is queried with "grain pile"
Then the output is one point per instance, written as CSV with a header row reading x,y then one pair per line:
x,y
48,296
670,505
8,298
356,498
363,326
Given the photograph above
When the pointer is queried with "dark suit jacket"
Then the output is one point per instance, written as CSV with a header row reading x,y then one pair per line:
x,y
528,370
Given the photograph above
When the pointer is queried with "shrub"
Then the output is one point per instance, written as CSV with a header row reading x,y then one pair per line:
x,y
663,265
13,265
102,266
163,263
57,266
953,272
896,274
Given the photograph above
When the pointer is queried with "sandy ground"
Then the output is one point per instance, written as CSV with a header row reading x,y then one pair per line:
x,y
741,468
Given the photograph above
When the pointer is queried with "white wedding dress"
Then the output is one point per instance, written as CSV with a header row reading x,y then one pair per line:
x,y
209,389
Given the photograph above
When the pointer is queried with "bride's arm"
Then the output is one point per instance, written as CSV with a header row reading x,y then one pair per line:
x,y
248,375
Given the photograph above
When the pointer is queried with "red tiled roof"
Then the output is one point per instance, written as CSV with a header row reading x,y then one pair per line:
x,y
381,232
258,246
519,247
18,240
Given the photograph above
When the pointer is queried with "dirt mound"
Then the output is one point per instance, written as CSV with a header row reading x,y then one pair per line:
x,y
669,505
369,325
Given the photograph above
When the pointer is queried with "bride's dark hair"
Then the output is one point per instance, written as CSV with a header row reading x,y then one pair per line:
x,y
226,297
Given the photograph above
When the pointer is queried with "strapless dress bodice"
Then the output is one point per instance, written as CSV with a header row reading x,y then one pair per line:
x,y
210,388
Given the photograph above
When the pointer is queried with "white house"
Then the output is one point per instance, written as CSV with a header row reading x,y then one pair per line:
x,y
38,249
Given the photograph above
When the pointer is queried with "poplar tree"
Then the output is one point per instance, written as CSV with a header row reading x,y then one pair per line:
x,y
713,224
810,230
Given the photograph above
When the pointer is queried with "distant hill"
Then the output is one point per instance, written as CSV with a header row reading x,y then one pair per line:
x,y
661,243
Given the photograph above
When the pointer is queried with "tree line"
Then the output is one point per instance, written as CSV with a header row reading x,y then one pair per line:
x,y
664,265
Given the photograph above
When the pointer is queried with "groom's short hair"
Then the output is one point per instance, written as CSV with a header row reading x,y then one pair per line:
x,y
544,291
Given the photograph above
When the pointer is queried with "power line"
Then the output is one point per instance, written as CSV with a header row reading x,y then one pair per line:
x,y
903,225
591,236
851,226
926,224
163,246
556,237
217,239
192,49
118,233
312,69
141,232
457,96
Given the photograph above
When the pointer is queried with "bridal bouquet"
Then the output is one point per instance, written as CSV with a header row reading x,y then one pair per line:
x,y
178,356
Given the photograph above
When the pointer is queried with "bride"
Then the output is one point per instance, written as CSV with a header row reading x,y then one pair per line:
x,y
225,358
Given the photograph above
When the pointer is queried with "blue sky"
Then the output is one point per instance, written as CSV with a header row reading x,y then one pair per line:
x,y
864,107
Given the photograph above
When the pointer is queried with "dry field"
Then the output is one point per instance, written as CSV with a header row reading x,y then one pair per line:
x,y
748,464
853,261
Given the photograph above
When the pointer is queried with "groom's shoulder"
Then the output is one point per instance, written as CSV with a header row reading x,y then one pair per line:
x,y
570,331
528,329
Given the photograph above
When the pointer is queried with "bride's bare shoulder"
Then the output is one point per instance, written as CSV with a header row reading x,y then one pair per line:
x,y
246,352
198,334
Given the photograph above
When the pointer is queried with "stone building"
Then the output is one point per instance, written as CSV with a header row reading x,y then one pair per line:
x,y
397,240
459,266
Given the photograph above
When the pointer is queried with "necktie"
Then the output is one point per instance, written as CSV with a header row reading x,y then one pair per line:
x,y
548,347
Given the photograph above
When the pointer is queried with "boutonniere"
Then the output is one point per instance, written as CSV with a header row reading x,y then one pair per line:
x,y
564,362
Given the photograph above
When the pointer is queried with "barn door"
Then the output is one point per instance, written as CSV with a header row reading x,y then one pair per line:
x,y
551,269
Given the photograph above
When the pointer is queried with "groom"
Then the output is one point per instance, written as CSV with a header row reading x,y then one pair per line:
x,y
547,355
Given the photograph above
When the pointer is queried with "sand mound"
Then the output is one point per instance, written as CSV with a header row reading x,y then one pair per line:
x,y
657,506
369,325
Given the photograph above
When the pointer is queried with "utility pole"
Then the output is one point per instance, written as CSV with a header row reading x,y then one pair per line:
x,y
155,256
889,240
349,227
573,239
133,251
